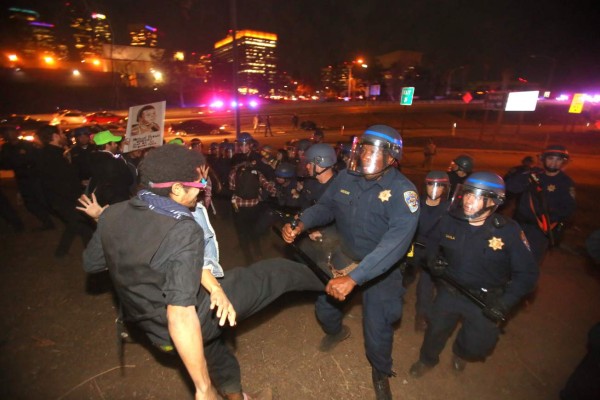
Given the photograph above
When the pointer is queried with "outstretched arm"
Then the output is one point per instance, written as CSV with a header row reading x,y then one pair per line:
x,y
90,206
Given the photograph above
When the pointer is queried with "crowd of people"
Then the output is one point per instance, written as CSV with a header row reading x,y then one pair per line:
x,y
348,208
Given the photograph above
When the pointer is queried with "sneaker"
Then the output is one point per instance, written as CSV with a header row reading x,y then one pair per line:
x,y
418,369
381,384
330,341
458,364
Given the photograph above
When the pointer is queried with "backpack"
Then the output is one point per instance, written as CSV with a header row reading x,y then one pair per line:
x,y
247,184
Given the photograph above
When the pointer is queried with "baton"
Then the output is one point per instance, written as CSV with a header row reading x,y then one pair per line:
x,y
323,277
478,301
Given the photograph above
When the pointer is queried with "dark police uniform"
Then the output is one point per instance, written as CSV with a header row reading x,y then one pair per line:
x,y
559,192
493,261
428,220
22,157
376,221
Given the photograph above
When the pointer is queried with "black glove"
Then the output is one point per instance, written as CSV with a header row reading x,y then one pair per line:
x,y
437,266
496,311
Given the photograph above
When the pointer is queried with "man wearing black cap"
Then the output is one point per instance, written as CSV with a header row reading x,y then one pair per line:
x,y
111,178
61,187
81,153
158,265
547,201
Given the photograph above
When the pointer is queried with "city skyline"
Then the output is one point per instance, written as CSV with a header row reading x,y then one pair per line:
x,y
487,38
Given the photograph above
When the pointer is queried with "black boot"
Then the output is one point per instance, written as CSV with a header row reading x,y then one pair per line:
x,y
381,384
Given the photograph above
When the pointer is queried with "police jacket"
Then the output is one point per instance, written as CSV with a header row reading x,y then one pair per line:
x,y
558,191
21,157
494,256
429,218
375,219
312,191
59,178
153,260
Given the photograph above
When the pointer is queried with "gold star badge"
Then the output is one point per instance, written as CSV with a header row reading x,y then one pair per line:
x,y
496,243
551,188
385,195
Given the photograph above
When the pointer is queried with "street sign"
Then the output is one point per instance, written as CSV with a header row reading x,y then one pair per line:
x,y
577,104
495,101
406,98
467,97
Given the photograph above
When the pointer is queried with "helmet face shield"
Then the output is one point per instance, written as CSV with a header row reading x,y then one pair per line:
x,y
437,190
370,158
473,204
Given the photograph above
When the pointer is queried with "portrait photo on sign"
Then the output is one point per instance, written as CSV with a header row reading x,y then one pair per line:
x,y
145,126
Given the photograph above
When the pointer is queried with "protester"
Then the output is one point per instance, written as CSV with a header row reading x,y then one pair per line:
x,y
159,270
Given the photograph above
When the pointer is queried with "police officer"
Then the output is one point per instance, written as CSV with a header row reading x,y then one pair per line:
x,y
286,184
249,186
81,153
245,142
301,147
547,200
22,157
320,162
376,211
433,207
459,169
488,255
323,240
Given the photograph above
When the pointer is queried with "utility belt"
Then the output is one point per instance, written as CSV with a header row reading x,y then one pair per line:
x,y
340,264
482,293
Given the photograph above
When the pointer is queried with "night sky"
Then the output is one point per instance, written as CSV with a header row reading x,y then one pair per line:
x,y
487,36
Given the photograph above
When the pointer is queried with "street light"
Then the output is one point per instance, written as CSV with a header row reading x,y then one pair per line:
x,y
552,67
350,65
449,80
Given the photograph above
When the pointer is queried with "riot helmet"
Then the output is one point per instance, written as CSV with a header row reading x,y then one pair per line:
x,y
554,157
465,163
478,197
437,185
303,144
285,171
245,137
321,154
267,152
376,150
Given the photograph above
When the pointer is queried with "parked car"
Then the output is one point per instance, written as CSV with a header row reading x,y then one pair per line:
x,y
105,117
26,125
195,127
69,117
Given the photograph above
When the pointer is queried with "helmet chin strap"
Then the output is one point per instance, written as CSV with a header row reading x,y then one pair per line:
x,y
315,173
478,214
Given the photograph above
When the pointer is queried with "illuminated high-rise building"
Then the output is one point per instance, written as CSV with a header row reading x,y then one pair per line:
x,y
142,35
90,33
257,61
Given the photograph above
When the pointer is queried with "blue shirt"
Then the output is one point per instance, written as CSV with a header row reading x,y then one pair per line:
x,y
376,219
211,247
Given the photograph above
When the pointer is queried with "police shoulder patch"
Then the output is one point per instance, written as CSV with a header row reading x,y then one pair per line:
x,y
412,200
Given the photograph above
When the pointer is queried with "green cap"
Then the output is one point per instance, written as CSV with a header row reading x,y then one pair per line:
x,y
104,137
176,141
